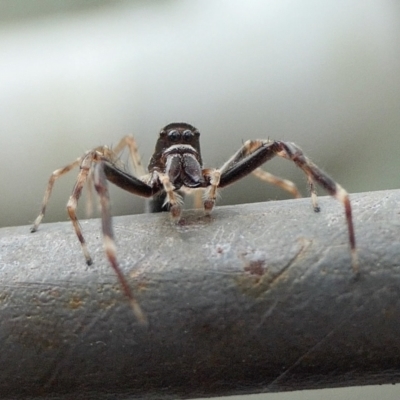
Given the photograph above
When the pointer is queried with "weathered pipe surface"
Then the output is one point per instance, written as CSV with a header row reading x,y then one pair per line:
x,y
255,298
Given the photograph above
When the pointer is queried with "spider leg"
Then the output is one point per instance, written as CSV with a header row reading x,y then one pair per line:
x,y
247,149
97,166
172,198
100,184
156,183
248,158
313,194
130,142
159,203
128,182
231,170
239,165
85,170
89,195
155,204
254,153
196,194
210,195
104,151
314,173
284,184
198,198
53,177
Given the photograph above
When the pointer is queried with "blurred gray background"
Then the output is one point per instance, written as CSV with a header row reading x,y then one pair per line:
x,y
78,74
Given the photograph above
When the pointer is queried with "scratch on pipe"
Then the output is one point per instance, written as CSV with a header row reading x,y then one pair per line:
x,y
305,244
260,280
326,337
308,352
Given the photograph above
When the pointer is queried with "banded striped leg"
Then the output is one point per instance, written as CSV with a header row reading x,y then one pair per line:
x,y
85,170
152,204
265,176
313,194
171,197
103,151
284,184
198,195
112,155
210,194
254,153
240,157
100,184
53,177
314,174
130,143
89,195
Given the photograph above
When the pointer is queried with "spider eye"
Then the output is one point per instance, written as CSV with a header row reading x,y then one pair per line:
x,y
187,135
173,135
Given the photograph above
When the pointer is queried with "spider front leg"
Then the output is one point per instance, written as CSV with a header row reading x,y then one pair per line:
x,y
256,152
210,194
213,176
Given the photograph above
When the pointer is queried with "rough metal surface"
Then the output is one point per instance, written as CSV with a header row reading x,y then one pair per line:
x,y
256,298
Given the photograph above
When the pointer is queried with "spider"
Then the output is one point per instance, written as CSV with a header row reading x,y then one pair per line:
x,y
176,166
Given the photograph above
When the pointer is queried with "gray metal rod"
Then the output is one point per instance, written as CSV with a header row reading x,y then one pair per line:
x,y
256,298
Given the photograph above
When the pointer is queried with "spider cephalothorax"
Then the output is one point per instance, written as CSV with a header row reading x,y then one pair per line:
x,y
178,135
177,165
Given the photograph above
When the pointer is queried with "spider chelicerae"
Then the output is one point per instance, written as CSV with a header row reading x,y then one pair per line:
x,y
176,165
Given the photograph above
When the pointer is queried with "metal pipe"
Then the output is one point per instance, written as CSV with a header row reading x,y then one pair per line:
x,y
256,298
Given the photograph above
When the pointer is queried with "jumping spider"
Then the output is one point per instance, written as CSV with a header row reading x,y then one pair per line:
x,y
177,165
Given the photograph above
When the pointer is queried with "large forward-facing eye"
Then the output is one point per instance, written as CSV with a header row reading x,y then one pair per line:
x,y
187,135
173,135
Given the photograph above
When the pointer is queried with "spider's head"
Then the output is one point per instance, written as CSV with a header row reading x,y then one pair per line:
x,y
179,136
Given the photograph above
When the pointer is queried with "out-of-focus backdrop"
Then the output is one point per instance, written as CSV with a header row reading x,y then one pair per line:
x,y
75,75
